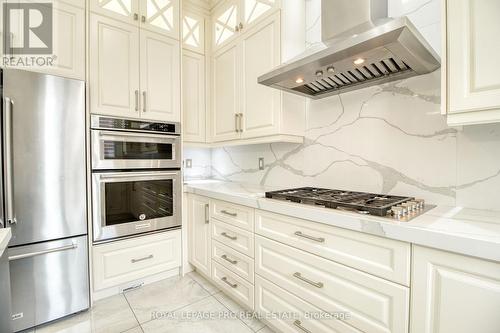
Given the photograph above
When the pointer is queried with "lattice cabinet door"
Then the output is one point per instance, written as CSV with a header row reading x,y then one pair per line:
x,y
193,32
225,23
123,10
254,10
161,16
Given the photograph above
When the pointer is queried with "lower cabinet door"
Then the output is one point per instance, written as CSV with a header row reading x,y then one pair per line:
x,y
49,280
124,261
373,304
288,313
452,293
233,285
199,238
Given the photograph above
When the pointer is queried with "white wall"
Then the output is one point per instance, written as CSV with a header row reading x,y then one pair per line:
x,y
389,139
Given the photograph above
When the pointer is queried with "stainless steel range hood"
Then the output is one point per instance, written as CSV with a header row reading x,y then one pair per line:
x,y
360,47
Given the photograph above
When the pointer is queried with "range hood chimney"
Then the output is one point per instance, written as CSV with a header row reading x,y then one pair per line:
x,y
361,46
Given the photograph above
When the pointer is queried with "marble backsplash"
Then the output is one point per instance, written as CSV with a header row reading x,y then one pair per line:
x,y
387,139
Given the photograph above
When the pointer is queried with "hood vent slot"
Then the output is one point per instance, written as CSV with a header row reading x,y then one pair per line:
x,y
380,70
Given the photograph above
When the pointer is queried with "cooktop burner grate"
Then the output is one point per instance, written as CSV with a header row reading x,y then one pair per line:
x,y
360,202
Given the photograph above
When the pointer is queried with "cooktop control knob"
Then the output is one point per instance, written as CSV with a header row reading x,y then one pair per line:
x,y
398,211
410,207
420,203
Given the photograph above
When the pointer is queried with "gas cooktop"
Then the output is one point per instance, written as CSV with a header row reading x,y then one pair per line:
x,y
389,206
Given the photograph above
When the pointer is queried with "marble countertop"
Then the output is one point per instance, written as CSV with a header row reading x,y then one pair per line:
x,y
466,231
5,235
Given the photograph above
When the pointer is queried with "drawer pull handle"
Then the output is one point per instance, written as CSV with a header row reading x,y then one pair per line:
x,y
234,262
228,236
300,277
207,214
316,239
142,259
229,283
298,324
228,213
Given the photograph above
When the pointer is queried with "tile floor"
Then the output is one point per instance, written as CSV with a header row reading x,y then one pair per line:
x,y
161,307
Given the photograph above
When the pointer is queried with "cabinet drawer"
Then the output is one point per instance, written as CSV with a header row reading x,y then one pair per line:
x,y
233,260
239,216
374,305
123,261
233,237
385,258
233,285
271,299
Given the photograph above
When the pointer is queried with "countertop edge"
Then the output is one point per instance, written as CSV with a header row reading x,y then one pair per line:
x,y
410,232
5,235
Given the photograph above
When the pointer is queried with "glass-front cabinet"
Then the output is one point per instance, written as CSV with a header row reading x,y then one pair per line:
x,y
235,16
161,16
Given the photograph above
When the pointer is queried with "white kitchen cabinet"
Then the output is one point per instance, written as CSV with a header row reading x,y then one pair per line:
x,y
225,20
127,260
68,54
374,305
199,238
471,76
260,52
194,102
225,94
114,67
133,72
193,32
243,110
161,16
232,17
124,10
160,77
452,293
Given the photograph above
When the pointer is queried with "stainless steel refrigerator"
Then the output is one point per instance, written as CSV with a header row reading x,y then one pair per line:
x,y
44,195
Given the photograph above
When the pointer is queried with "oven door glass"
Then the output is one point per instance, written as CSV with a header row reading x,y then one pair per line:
x,y
133,201
121,150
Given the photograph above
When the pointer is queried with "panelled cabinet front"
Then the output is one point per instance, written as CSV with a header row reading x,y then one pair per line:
x,y
199,239
472,74
114,71
135,59
453,293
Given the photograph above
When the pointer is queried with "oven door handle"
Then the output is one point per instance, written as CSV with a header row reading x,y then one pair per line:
x,y
113,135
126,176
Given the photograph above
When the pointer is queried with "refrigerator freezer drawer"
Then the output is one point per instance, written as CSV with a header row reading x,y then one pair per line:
x,y
48,281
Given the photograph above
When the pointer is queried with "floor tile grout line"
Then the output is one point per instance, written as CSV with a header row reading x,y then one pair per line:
x,y
177,309
224,305
133,312
201,284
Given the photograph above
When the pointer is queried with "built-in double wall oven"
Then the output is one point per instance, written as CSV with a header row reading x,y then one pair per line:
x,y
136,177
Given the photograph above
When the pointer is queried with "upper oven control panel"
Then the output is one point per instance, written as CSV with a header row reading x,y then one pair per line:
x,y
122,124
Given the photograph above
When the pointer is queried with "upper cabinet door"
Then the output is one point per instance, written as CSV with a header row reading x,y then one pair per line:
x,y
193,32
68,54
114,67
225,94
193,81
123,10
473,74
161,16
160,77
225,23
260,105
254,10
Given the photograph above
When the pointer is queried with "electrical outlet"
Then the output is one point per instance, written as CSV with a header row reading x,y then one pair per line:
x,y
261,163
189,163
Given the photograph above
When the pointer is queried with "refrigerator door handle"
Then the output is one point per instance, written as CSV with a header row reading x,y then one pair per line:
x,y
7,147
38,253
